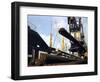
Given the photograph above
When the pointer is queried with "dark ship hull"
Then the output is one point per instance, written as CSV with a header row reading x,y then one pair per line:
x,y
51,57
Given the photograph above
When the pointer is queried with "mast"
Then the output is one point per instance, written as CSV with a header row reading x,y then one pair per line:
x,y
51,35
62,43
50,39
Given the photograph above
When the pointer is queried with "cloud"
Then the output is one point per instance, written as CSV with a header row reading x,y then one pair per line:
x,y
59,22
46,38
